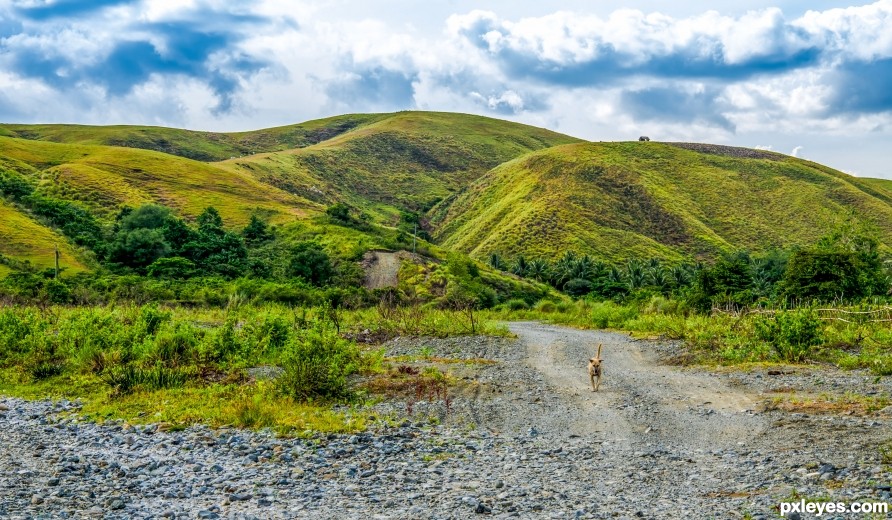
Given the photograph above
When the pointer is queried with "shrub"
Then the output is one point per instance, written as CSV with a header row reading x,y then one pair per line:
x,y
516,304
578,287
793,333
546,306
124,379
317,365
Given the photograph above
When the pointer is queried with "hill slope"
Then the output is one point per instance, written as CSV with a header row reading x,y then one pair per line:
x,y
616,200
201,146
408,160
381,163
480,185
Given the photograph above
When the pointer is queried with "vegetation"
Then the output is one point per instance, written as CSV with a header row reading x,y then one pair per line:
x,y
615,201
179,278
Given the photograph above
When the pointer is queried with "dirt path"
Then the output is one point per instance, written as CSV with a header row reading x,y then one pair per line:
x,y
640,400
382,269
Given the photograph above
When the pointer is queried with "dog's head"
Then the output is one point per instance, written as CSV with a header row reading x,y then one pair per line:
x,y
594,362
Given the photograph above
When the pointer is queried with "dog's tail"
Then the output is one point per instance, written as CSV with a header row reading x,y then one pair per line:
x,y
599,351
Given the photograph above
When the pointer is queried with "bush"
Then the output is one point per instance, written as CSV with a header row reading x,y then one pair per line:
x,y
516,304
578,287
124,379
311,263
792,333
317,365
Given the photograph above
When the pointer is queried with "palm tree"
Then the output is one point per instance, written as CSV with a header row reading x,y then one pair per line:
x,y
680,275
635,274
537,269
496,262
659,278
520,266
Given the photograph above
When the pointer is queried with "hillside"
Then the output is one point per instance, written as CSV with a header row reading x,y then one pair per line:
x,y
379,163
408,160
479,185
616,200
201,146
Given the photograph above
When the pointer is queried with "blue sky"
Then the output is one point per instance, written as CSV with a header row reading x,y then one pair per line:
x,y
812,79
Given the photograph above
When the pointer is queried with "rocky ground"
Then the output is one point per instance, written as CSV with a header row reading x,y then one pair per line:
x,y
522,436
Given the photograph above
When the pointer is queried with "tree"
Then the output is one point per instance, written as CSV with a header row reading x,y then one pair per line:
x,y
210,222
147,216
311,263
822,275
256,232
172,267
138,248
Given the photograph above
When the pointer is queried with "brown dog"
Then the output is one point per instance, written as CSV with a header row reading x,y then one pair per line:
x,y
594,369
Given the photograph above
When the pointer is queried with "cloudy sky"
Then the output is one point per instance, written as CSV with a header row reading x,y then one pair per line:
x,y
813,79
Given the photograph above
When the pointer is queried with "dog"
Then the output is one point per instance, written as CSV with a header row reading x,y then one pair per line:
x,y
594,369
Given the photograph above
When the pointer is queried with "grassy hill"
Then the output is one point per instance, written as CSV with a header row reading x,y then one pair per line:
x,y
408,160
24,239
380,163
616,200
201,146
480,185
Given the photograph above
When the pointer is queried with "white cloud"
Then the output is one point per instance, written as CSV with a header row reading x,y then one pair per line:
x,y
797,151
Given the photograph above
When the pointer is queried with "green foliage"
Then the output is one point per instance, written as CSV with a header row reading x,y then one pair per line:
x,y
310,262
14,186
792,333
727,283
317,364
818,275
257,233
71,219
138,248
175,267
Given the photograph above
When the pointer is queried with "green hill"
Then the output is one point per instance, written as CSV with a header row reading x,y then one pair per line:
x,y
616,200
480,185
201,146
408,160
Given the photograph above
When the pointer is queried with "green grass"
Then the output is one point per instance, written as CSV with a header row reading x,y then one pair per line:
x,y
407,160
620,200
201,146
252,406
24,239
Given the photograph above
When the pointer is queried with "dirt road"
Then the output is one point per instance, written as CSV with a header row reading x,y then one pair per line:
x,y
640,400
382,269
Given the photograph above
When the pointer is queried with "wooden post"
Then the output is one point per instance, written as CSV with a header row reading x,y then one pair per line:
x,y
57,261
414,235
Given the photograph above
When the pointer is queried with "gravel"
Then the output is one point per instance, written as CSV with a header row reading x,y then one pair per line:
x,y
532,441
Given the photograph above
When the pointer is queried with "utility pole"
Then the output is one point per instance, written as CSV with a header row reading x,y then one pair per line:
x,y
57,261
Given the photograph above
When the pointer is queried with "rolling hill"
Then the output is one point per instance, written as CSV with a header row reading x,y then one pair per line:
x,y
480,185
668,200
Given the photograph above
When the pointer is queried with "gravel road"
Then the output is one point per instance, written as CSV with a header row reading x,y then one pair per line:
x,y
522,437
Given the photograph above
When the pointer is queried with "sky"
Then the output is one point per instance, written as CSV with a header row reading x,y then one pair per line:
x,y
810,79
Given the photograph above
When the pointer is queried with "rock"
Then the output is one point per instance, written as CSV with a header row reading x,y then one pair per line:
x,y
794,516
240,497
116,504
208,515
482,508
36,500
